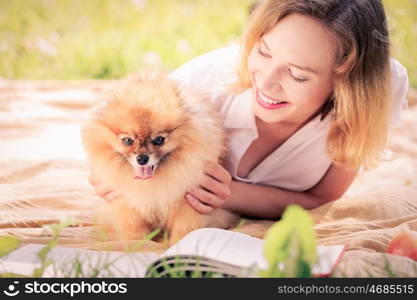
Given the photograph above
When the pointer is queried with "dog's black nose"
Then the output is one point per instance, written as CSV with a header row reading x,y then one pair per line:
x,y
142,159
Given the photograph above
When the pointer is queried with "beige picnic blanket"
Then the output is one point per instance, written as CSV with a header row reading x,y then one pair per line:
x,y
43,179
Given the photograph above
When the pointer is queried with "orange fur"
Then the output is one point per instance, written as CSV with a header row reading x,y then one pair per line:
x,y
143,106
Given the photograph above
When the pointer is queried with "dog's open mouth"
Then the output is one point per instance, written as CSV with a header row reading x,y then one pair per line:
x,y
144,172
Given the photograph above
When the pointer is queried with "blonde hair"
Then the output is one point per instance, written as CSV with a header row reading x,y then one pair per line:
x,y
360,100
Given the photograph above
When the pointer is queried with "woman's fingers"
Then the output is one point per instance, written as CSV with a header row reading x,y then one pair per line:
x,y
93,180
198,205
219,189
102,190
207,197
106,192
216,171
212,191
113,196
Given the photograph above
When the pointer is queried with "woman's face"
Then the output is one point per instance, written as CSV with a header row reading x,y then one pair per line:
x,y
292,63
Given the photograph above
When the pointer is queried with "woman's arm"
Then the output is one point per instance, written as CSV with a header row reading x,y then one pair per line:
x,y
255,200
269,202
219,190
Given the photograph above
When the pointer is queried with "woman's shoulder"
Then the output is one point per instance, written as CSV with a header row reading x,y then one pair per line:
x,y
211,71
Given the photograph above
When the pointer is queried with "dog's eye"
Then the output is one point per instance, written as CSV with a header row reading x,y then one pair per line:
x,y
127,141
158,141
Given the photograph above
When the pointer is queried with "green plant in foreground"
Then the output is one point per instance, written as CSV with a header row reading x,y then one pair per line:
x,y
43,253
290,245
8,244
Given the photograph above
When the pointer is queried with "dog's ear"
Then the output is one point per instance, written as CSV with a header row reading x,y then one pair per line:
x,y
100,107
190,101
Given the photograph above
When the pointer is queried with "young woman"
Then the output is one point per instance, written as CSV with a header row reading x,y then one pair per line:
x,y
307,100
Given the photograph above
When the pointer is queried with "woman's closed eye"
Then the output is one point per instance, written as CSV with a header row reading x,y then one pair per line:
x,y
263,53
296,78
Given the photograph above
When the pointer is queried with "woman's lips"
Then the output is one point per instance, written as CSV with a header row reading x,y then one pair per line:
x,y
267,105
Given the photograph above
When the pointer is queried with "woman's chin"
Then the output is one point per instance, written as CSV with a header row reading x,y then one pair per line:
x,y
267,117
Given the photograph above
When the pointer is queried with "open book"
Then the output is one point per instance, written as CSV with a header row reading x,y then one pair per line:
x,y
207,250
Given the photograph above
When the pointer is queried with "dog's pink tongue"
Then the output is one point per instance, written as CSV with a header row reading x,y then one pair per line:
x,y
143,172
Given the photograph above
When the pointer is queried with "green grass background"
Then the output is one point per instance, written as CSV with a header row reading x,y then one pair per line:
x,y
70,39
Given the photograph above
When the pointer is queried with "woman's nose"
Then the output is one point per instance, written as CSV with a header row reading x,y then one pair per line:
x,y
268,80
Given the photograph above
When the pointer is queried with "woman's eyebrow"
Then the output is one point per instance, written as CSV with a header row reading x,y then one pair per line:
x,y
304,68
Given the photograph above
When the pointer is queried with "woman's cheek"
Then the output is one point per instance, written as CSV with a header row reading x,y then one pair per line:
x,y
313,94
319,96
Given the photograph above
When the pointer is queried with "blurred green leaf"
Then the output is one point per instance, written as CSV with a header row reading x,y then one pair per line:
x,y
8,244
290,245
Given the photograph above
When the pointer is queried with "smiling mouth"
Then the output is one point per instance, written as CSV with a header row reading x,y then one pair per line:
x,y
267,99
269,103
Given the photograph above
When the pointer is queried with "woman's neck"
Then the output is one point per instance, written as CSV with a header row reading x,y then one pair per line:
x,y
275,129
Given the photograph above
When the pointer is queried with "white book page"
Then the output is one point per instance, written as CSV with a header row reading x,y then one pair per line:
x,y
243,250
223,245
328,257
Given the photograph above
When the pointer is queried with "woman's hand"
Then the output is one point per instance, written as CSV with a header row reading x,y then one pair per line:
x,y
212,191
103,190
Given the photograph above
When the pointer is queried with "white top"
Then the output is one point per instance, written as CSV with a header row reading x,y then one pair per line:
x,y
301,161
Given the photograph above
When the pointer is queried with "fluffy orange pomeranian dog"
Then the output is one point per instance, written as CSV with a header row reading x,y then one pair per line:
x,y
149,139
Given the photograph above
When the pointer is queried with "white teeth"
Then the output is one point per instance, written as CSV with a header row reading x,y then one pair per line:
x,y
268,100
